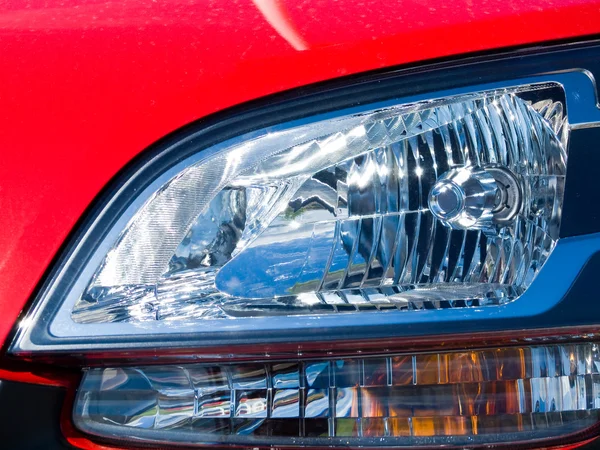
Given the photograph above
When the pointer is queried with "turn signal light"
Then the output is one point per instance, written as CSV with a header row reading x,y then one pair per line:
x,y
485,396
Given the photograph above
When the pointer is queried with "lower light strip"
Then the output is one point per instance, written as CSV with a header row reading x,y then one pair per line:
x,y
497,395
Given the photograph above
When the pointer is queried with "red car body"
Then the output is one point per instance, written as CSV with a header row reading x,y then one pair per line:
x,y
86,85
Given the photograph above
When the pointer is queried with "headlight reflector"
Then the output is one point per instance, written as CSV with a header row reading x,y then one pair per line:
x,y
448,203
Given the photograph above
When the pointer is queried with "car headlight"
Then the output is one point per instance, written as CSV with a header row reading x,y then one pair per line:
x,y
401,217
453,201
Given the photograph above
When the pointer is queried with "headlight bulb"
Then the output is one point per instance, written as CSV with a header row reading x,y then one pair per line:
x,y
475,198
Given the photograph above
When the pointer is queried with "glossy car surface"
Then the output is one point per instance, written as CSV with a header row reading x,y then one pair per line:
x,y
86,86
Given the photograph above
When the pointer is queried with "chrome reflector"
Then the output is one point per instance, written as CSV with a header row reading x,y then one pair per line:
x,y
444,203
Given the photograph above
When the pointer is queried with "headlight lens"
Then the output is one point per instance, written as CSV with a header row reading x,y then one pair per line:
x,y
443,203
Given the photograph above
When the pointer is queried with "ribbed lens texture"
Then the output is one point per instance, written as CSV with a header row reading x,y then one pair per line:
x,y
343,223
495,395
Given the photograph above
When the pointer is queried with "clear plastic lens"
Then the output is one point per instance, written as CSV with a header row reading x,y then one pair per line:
x,y
466,397
446,203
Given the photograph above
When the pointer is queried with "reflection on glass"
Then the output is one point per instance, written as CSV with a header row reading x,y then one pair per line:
x,y
249,377
213,403
462,393
285,375
317,403
251,403
286,403
346,402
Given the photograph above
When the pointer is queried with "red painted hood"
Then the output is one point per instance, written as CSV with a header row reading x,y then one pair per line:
x,y
87,85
